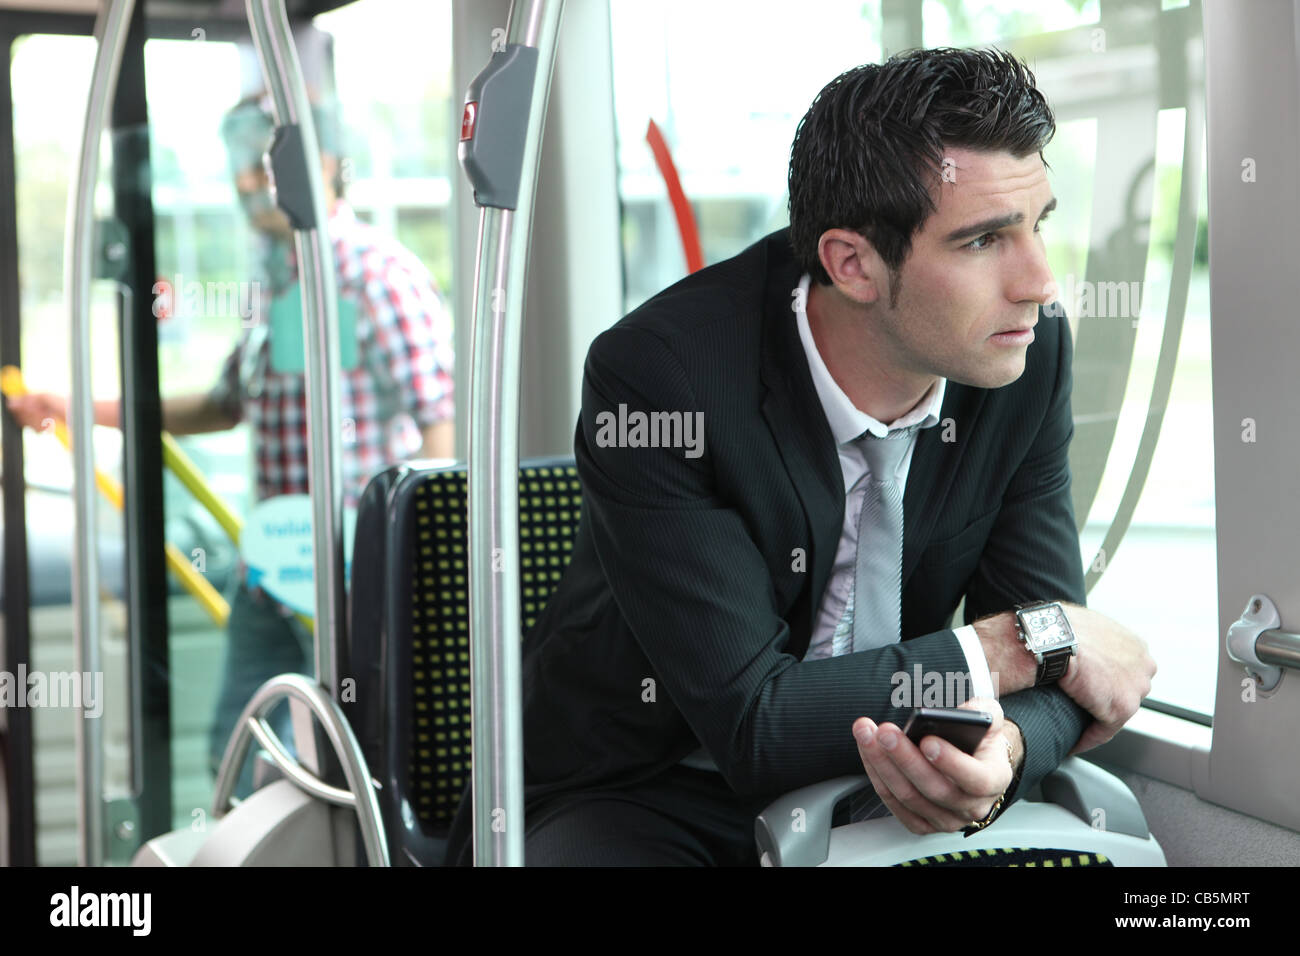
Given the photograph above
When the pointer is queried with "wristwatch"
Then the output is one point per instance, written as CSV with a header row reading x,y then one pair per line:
x,y
1047,635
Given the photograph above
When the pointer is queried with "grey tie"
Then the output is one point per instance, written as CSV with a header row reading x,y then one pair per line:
x,y
878,577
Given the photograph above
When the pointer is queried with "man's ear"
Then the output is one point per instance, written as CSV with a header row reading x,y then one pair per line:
x,y
855,268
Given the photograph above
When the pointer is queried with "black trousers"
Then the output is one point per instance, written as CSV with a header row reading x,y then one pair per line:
x,y
683,817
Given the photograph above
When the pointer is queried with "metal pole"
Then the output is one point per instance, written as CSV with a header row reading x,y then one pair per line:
x,y
79,239
495,620
291,107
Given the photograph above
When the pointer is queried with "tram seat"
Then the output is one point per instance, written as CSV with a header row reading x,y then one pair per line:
x,y
411,712
409,627
1078,816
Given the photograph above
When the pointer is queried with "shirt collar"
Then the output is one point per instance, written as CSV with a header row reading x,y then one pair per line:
x,y
846,420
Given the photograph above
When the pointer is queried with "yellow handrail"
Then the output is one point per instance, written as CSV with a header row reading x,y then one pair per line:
x,y
189,476
11,383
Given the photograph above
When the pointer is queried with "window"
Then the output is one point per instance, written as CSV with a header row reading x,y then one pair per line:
x,y
727,89
1128,167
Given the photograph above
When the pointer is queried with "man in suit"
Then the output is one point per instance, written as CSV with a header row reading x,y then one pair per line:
x,y
701,655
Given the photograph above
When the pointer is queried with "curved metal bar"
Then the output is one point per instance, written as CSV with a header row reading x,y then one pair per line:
x,y
1171,339
501,271
79,238
296,771
290,105
361,794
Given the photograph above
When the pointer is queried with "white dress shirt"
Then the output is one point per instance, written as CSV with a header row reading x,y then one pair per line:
x,y
832,633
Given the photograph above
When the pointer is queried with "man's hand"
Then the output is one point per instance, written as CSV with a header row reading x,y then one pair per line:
x,y
1110,675
1108,678
936,788
37,409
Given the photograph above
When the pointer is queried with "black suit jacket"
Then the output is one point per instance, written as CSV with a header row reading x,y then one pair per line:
x,y
683,616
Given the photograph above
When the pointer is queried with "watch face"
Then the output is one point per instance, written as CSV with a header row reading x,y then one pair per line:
x,y
1046,629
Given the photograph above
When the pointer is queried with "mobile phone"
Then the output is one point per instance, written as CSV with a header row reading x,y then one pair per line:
x,y
964,729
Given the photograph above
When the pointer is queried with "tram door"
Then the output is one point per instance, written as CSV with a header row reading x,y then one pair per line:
x,y
189,287
159,648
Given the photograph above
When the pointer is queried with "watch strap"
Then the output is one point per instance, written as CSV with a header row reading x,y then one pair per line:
x,y
1053,666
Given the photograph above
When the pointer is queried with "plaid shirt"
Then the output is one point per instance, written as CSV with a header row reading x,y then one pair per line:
x,y
402,381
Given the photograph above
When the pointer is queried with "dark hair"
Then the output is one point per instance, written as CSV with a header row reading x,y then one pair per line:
x,y
861,152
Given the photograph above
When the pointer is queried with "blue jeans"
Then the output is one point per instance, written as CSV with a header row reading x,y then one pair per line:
x,y
261,643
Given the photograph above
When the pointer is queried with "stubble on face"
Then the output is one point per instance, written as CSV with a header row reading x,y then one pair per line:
x,y
951,299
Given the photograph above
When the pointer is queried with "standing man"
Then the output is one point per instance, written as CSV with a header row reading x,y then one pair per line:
x,y
395,400
886,418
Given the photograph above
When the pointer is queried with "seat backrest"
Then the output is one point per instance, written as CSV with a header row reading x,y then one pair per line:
x,y
410,630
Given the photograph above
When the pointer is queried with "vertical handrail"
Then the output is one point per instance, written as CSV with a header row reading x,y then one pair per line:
x,y
505,224
78,258
292,108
